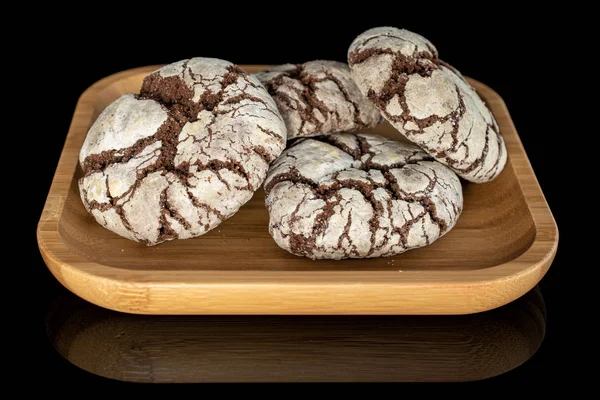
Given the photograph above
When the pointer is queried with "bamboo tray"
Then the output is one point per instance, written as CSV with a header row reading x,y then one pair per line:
x,y
502,245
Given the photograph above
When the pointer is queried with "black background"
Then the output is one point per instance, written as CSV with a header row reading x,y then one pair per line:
x,y
494,48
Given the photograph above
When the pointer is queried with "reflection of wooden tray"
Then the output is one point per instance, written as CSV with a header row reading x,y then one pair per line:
x,y
291,348
502,245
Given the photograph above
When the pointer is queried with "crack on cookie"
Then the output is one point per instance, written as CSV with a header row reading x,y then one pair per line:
x,y
387,34
366,191
425,202
165,231
262,153
272,134
198,204
293,175
302,245
332,140
479,160
346,235
501,150
364,149
413,64
100,161
306,94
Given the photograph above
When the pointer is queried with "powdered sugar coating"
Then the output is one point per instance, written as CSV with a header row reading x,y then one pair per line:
x,y
318,97
184,155
359,196
428,101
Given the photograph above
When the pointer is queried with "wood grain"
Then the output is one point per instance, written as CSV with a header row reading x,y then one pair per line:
x,y
191,349
502,245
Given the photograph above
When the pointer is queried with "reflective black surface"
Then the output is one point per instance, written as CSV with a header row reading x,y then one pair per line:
x,y
505,51
193,349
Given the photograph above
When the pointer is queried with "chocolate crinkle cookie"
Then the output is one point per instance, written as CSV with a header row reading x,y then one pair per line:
x,y
318,97
428,101
182,156
359,195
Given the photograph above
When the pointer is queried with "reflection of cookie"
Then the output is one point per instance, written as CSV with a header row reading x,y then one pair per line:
x,y
318,97
428,101
359,195
184,155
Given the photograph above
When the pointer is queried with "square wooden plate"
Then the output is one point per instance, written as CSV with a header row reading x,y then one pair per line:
x,y
502,245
